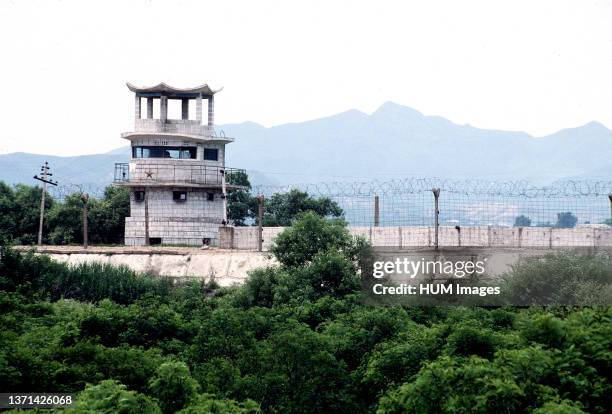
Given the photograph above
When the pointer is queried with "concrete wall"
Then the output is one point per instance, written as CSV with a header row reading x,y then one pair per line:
x,y
224,267
245,238
175,222
229,267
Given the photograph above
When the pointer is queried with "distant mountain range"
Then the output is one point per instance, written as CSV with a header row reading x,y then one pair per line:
x,y
393,142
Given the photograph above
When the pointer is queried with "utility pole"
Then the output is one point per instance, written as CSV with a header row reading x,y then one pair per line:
x,y
85,199
44,169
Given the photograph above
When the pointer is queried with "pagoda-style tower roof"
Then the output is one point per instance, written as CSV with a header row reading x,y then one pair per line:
x,y
183,127
171,91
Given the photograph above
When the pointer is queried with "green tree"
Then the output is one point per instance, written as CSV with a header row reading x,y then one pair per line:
x,y
470,339
66,220
329,273
394,362
241,205
296,372
174,387
311,234
566,220
8,212
522,221
112,397
209,404
107,216
27,205
20,211
282,208
279,210
564,407
456,386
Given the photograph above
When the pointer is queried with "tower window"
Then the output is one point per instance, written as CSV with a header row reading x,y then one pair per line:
x,y
139,196
179,195
211,154
210,196
164,152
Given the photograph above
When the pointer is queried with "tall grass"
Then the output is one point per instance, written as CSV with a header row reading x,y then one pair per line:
x,y
563,278
39,275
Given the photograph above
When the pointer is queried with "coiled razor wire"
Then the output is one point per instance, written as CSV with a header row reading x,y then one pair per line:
x,y
466,187
522,188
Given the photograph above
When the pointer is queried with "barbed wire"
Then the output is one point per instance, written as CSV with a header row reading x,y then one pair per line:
x,y
521,188
62,191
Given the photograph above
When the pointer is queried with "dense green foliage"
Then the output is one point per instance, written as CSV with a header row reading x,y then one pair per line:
x,y
20,212
294,339
566,220
522,221
561,279
279,210
63,224
241,205
282,208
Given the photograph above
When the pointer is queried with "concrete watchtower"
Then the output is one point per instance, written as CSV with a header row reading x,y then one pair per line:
x,y
177,175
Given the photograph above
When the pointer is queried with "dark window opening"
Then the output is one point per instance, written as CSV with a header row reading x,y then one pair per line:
x,y
179,195
211,154
139,196
206,241
210,196
154,241
165,152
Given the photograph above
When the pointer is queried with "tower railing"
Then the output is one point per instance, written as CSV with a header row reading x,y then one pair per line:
x,y
171,174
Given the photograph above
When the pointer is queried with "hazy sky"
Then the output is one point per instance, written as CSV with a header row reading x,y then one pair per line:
x,y
537,66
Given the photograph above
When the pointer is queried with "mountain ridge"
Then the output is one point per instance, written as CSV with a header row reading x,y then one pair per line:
x,y
394,140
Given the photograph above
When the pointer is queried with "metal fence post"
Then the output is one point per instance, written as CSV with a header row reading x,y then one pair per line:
x,y
376,211
436,193
224,196
260,214
85,199
458,228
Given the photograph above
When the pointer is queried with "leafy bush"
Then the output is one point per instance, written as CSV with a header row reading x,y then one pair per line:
x,y
112,397
312,234
563,279
468,339
173,386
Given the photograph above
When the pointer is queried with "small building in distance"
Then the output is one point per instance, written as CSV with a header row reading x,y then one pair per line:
x,y
177,176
